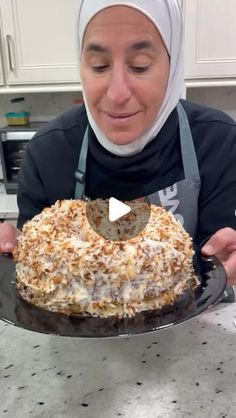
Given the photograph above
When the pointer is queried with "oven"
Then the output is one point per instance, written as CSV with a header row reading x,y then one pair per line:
x,y
13,143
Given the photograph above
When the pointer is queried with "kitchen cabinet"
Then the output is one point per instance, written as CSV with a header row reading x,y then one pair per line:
x,y
210,34
38,41
38,44
1,74
1,68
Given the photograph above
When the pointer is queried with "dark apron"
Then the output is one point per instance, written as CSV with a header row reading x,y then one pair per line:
x,y
181,198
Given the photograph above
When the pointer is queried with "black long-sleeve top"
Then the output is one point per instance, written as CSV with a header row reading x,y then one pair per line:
x,y
47,172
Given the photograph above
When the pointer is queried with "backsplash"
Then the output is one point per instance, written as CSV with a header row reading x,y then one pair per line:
x,y
42,106
46,106
223,98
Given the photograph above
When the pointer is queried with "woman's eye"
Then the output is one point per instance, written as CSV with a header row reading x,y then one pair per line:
x,y
139,69
99,68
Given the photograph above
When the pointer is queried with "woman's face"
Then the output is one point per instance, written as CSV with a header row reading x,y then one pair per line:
x,y
124,71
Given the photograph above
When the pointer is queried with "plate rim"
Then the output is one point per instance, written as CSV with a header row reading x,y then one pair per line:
x,y
217,264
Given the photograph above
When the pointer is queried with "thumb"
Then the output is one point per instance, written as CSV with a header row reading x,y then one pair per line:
x,y
223,239
208,249
8,237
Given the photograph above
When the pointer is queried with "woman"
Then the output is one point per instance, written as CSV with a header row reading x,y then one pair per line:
x,y
134,137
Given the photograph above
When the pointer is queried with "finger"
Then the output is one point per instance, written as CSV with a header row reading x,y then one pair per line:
x,y
6,247
230,268
7,243
222,239
8,237
231,282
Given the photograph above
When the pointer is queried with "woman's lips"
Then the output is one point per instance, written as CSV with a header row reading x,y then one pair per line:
x,y
120,117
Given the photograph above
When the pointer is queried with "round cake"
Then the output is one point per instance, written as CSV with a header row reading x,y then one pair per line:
x,y
63,265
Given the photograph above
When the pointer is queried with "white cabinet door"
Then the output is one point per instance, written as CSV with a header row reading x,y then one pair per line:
x,y
39,43
210,38
1,74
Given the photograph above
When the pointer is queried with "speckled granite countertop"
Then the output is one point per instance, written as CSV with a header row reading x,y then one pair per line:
x,y
185,371
8,204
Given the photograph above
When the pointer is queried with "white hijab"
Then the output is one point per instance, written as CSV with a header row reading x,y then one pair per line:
x,y
166,16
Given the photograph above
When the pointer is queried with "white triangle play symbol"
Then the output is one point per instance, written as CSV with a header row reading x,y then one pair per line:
x,y
117,209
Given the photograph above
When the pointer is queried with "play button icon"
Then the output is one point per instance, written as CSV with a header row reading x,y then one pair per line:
x,y
117,209
117,220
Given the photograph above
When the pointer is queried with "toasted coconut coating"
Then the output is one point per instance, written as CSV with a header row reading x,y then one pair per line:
x,y
63,265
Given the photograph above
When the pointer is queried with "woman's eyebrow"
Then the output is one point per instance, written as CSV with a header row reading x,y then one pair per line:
x,y
91,47
137,46
142,45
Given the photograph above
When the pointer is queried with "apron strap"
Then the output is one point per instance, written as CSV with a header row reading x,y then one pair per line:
x,y
80,172
189,158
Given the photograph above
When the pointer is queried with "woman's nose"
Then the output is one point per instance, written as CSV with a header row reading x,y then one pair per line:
x,y
118,90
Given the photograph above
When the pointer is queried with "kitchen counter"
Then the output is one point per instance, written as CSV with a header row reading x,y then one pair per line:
x,y
8,205
188,370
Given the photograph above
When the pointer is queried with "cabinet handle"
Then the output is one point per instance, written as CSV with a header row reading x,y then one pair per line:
x,y
9,51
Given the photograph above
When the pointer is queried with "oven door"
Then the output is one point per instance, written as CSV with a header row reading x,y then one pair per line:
x,y
1,172
12,149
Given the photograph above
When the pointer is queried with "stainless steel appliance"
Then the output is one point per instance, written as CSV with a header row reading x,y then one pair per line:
x,y
13,143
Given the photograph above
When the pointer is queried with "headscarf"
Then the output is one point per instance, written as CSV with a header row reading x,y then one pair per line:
x,y
166,16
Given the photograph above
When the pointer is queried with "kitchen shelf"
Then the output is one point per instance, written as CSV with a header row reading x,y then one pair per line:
x,y
212,82
51,88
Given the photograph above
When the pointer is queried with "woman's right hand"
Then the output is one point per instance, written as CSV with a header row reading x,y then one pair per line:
x,y
8,237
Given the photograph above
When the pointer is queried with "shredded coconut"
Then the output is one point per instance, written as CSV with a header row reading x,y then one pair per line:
x,y
63,265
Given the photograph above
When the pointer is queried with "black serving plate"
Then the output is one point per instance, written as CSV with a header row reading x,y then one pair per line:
x,y
14,310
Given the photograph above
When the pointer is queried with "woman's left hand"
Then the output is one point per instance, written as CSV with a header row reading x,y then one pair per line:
x,y
223,245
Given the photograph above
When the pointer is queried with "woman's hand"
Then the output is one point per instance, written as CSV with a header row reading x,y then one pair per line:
x,y
8,237
223,245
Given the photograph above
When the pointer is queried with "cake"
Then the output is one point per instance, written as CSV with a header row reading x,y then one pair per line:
x,y
64,265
